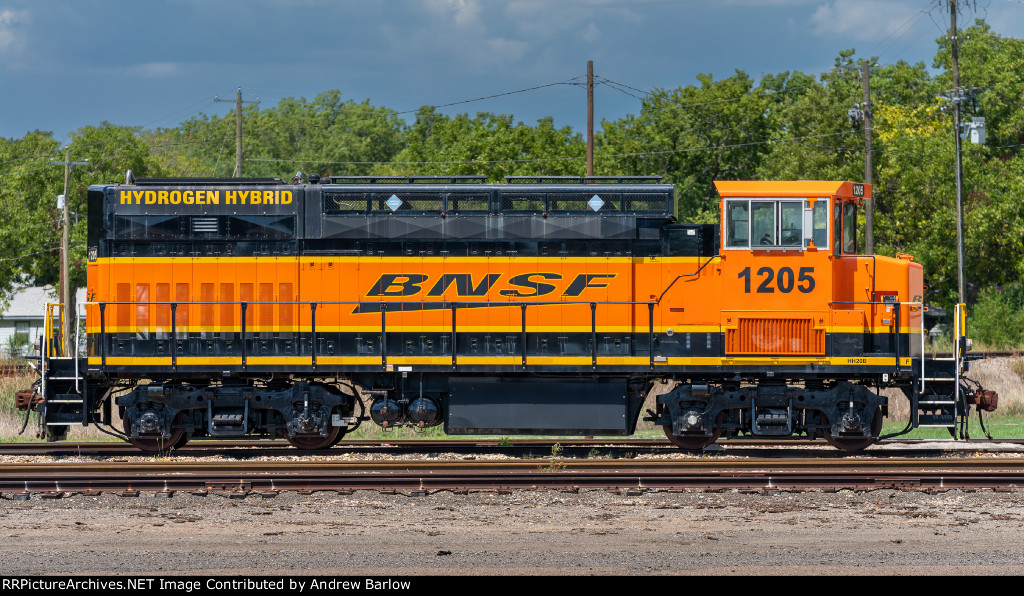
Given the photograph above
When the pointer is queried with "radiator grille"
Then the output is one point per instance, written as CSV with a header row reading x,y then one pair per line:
x,y
775,336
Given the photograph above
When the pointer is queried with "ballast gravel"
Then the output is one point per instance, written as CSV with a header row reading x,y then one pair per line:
x,y
367,533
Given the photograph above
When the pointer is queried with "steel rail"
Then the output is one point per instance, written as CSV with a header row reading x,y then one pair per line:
x,y
464,445
240,478
864,464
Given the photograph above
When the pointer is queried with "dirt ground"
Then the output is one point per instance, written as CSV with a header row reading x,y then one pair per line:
x,y
882,532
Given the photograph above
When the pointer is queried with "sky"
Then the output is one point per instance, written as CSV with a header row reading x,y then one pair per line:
x,y
65,64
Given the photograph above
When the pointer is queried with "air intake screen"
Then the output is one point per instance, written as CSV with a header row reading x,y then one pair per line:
x,y
775,336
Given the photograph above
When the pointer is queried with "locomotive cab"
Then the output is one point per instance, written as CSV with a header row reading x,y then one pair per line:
x,y
807,323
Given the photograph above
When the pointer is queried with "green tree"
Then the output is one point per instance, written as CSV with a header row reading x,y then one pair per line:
x,y
325,135
491,145
691,136
29,233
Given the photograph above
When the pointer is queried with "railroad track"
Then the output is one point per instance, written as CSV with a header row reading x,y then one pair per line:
x,y
417,478
516,447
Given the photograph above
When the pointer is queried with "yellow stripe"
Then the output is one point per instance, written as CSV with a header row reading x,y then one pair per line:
x,y
132,361
199,361
277,360
342,260
401,260
638,329
620,360
496,360
408,360
687,361
542,360
353,360
507,360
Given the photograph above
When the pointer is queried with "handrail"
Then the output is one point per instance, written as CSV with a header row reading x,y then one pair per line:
x,y
695,273
897,305
454,306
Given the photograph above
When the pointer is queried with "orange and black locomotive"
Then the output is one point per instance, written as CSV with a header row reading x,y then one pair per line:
x,y
252,307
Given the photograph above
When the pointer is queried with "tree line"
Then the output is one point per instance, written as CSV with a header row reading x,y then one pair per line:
x,y
788,125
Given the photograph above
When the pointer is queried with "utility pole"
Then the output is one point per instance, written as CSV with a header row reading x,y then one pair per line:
x,y
590,117
65,246
869,207
957,98
238,128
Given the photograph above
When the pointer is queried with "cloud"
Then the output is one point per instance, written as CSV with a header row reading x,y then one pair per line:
x,y
860,19
465,13
590,34
545,19
147,70
11,39
156,69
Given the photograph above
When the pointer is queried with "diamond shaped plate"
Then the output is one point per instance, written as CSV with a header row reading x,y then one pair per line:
x,y
596,203
394,202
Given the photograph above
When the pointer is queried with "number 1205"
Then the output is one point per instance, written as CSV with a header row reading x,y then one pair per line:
x,y
785,280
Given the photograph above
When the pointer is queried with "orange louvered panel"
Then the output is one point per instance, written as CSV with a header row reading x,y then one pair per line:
x,y
775,336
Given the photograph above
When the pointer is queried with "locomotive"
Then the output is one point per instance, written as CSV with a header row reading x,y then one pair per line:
x,y
543,305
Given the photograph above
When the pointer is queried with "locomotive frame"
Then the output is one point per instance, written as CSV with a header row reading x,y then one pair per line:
x,y
241,307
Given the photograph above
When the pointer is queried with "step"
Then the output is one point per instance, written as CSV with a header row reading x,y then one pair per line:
x,y
228,419
63,418
936,421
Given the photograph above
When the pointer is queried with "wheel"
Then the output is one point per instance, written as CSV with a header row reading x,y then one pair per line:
x,y
156,444
691,443
182,441
333,436
341,435
857,444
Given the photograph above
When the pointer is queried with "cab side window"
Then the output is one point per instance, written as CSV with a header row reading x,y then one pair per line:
x,y
850,227
756,223
816,223
762,223
737,224
790,224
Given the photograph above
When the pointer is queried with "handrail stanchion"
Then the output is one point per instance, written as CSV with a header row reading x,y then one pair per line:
x,y
454,339
174,337
312,331
244,306
523,331
650,331
103,334
383,336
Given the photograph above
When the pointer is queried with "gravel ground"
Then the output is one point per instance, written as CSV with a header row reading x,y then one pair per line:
x,y
888,532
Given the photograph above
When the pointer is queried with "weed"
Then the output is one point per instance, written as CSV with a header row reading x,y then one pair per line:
x,y
1017,366
554,465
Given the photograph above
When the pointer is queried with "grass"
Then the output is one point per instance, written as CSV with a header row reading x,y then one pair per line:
x,y
1000,427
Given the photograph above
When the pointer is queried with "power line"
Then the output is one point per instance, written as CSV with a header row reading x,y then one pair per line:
x,y
465,101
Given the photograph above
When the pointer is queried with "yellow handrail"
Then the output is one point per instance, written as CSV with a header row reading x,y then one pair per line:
x,y
53,331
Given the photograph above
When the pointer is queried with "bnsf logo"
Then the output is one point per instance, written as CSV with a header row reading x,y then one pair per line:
x,y
524,285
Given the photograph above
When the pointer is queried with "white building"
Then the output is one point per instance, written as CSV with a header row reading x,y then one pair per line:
x,y
24,317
